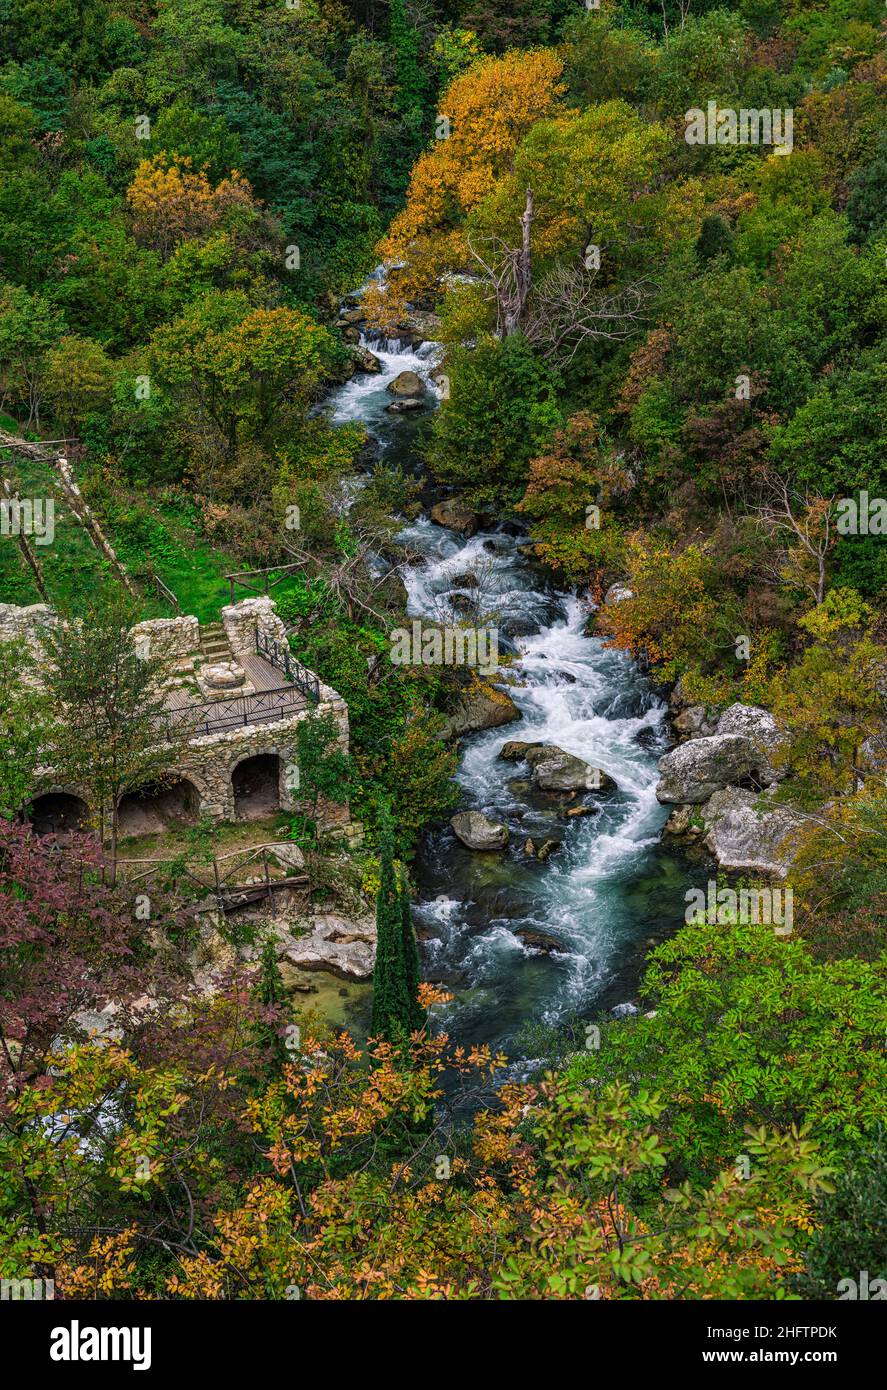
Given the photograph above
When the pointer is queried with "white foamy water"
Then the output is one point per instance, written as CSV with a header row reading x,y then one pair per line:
x,y
592,898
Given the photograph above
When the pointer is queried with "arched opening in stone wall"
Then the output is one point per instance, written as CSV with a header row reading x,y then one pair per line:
x,y
159,807
256,786
54,813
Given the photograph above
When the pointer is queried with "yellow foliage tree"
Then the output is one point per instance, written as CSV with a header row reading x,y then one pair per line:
x,y
170,201
488,111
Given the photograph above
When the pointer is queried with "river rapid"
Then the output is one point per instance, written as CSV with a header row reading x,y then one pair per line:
x,y
609,888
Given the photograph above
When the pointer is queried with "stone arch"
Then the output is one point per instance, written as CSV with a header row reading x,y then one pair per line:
x,y
159,807
55,812
256,784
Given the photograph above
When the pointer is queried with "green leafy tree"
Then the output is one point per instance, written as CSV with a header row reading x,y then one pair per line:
x,y
396,1012
325,771
117,735
501,411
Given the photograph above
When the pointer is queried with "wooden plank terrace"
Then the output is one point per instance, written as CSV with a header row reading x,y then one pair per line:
x,y
272,700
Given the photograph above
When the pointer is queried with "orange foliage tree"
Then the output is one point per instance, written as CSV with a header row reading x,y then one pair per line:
x,y
488,112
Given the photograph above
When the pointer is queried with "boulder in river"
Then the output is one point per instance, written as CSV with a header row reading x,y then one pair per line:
x,y
477,831
366,361
404,406
407,384
737,754
480,707
538,941
453,513
554,770
514,751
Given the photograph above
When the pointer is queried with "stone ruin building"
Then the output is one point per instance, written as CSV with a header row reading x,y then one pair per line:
x,y
242,694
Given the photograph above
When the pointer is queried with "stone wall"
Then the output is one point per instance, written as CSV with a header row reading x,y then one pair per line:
x,y
26,625
211,762
240,621
170,639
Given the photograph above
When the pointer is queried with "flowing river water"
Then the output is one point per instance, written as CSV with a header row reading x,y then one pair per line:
x,y
590,908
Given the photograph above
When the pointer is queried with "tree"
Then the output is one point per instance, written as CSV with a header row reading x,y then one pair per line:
x,y
832,701
117,734
269,993
29,326
325,771
240,373
501,411
396,1011
851,1224
171,202
78,378
488,110
574,483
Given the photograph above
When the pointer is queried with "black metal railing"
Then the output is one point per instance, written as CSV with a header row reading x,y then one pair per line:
x,y
214,716
280,656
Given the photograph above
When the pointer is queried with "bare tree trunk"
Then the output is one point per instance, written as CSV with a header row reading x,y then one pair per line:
x,y
522,276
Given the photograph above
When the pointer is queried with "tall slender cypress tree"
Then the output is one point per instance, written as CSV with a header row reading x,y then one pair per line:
x,y
396,972
411,962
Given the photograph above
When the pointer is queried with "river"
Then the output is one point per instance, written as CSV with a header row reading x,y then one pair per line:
x,y
610,887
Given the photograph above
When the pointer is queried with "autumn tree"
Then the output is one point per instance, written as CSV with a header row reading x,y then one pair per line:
x,y
487,111
169,201
569,493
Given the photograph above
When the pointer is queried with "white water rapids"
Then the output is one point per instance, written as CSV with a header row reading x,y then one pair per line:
x,y
608,885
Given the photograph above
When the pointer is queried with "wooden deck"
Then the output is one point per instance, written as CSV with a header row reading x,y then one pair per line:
x,y
274,698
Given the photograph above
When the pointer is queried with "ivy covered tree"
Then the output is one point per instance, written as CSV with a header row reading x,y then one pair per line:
x,y
396,1008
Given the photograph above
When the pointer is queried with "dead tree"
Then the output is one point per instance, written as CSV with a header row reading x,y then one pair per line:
x,y
566,308
809,520
507,269
569,308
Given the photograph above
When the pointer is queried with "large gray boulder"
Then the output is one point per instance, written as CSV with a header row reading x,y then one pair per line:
x,y
476,831
746,832
480,707
407,384
341,946
742,749
554,770
695,770
752,723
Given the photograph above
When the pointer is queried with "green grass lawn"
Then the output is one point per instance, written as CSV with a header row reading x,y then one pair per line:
x,y
150,536
73,570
